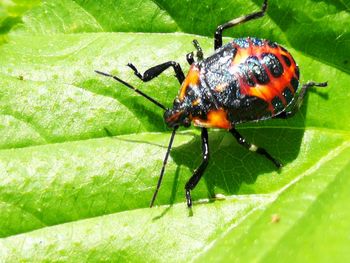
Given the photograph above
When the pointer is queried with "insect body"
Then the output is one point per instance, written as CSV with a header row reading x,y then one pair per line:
x,y
248,79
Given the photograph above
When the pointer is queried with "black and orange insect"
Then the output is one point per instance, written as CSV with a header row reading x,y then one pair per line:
x,y
248,79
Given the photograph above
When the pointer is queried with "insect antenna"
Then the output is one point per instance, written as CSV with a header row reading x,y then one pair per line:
x,y
163,167
133,88
172,135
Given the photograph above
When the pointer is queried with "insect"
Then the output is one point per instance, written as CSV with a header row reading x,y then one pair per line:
x,y
248,79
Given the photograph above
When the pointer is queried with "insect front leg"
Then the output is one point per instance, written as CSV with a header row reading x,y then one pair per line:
x,y
193,181
236,21
299,101
251,147
157,70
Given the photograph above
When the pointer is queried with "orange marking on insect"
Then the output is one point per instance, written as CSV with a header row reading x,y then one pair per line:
x,y
215,119
276,85
241,56
196,102
191,79
221,87
272,89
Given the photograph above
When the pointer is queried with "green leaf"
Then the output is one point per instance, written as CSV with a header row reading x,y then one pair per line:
x,y
80,154
10,14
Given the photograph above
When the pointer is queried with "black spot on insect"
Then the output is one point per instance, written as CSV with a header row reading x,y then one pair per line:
x,y
248,108
273,64
295,83
257,70
198,110
272,44
288,95
244,71
287,60
282,48
229,96
277,104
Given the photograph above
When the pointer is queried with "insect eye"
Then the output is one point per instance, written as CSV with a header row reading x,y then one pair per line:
x,y
186,122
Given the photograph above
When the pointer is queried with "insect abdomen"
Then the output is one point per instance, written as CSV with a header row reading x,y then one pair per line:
x,y
267,71
257,82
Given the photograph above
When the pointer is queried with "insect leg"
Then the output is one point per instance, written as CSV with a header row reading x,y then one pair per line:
x,y
236,21
189,58
251,147
299,101
193,181
132,88
157,70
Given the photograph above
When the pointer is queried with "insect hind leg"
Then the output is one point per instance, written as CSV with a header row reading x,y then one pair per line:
x,y
294,108
251,147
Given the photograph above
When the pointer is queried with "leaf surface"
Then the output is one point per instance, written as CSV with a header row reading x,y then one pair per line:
x,y
80,154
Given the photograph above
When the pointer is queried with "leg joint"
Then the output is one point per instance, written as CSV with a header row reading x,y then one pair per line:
x,y
188,186
174,64
219,30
